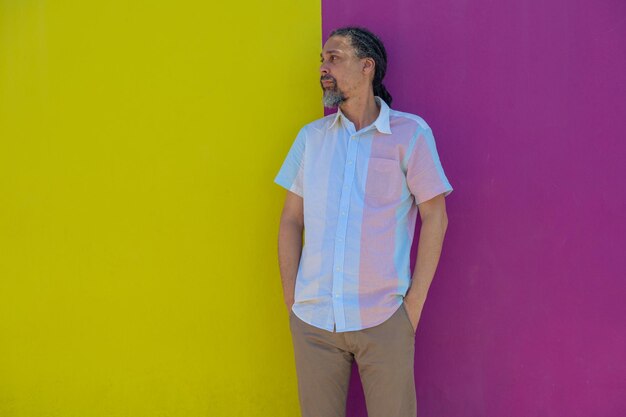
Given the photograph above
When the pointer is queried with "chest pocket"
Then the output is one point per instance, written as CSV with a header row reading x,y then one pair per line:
x,y
384,179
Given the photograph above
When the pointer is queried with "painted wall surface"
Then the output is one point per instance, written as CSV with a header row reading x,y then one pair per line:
x,y
138,217
527,101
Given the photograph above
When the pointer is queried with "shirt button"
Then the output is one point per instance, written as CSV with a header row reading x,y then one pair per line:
x,y
349,162
336,295
340,238
337,269
343,213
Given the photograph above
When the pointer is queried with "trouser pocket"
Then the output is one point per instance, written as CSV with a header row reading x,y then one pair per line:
x,y
408,320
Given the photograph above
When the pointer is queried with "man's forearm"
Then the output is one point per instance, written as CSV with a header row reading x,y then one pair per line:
x,y
289,252
429,247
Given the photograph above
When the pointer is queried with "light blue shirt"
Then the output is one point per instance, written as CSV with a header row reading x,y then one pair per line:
x,y
360,192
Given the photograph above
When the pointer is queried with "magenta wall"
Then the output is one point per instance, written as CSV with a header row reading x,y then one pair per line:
x,y
527,100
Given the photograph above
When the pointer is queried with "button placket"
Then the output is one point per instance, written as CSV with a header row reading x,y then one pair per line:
x,y
342,227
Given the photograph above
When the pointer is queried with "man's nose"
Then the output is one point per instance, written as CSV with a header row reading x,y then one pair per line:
x,y
323,69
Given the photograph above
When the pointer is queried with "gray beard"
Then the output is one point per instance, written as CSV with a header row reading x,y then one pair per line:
x,y
333,98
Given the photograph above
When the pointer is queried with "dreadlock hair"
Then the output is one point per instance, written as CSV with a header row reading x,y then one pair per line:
x,y
368,45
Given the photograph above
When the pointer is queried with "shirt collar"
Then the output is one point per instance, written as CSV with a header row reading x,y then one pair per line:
x,y
382,121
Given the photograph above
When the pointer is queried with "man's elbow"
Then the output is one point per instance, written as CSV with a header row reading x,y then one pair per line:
x,y
437,217
441,219
291,224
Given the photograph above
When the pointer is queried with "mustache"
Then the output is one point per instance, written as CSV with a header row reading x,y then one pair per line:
x,y
328,78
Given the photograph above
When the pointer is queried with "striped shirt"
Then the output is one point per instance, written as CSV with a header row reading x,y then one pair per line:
x,y
360,192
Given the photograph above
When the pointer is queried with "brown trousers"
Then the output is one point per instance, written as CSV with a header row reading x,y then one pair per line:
x,y
384,355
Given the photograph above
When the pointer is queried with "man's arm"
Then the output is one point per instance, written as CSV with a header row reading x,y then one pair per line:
x,y
432,232
290,244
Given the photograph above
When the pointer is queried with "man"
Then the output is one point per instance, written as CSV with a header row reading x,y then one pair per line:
x,y
356,181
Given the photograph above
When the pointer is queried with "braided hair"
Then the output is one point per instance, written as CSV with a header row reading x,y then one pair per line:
x,y
368,45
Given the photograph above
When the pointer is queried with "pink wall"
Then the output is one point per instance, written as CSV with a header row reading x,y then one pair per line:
x,y
527,100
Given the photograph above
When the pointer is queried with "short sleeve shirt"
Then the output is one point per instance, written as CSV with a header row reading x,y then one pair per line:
x,y
360,192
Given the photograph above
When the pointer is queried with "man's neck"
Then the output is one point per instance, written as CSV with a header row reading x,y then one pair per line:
x,y
361,110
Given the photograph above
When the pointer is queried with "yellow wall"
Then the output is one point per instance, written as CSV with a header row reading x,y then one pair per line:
x,y
138,217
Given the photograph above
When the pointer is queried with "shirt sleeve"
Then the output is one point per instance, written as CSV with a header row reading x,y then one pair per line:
x,y
425,176
291,172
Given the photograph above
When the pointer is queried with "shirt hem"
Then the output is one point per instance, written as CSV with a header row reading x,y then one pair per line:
x,y
353,329
444,190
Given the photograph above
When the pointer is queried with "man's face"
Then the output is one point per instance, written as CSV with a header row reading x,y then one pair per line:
x,y
342,74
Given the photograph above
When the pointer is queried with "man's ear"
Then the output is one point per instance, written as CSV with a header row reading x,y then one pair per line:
x,y
368,65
